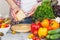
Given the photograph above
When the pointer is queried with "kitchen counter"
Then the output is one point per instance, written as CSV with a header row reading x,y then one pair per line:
x,y
17,36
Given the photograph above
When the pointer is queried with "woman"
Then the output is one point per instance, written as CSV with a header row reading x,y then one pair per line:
x,y
28,7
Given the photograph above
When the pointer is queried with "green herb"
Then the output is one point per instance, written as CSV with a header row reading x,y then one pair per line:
x,y
43,11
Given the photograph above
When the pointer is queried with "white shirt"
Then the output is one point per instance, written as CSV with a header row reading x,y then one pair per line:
x,y
26,5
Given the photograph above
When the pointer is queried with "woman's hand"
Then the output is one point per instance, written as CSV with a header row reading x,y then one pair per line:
x,y
14,12
33,9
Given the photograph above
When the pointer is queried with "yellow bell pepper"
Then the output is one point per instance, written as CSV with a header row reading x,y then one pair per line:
x,y
42,32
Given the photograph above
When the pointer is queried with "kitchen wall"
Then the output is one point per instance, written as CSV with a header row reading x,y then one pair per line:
x,y
4,8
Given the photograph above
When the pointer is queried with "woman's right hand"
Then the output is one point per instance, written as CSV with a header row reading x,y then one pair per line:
x,y
14,7
14,12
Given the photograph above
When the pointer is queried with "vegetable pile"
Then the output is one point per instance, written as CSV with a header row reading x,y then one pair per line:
x,y
44,11
46,28
4,22
45,25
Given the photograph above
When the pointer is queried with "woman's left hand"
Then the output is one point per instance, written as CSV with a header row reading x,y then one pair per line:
x,y
33,9
31,12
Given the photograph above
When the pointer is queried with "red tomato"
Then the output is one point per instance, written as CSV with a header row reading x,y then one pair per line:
x,y
6,25
35,32
50,21
35,38
39,23
0,25
49,28
34,28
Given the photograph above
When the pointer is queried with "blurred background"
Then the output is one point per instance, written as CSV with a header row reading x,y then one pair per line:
x,y
4,7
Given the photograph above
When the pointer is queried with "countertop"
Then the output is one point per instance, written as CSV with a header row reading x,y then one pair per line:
x,y
17,36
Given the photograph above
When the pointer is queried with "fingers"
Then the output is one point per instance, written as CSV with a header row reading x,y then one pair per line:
x,y
30,14
33,9
14,15
16,11
39,4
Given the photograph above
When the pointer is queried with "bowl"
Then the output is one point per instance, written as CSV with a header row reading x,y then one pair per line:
x,y
21,27
4,30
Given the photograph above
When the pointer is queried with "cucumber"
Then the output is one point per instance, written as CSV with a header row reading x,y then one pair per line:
x,y
53,37
48,36
54,31
56,36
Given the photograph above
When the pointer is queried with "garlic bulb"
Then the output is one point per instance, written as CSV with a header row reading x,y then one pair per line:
x,y
57,19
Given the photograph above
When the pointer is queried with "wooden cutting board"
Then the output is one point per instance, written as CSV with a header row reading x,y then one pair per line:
x,y
21,27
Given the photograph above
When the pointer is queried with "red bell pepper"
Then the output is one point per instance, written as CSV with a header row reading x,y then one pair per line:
x,y
35,27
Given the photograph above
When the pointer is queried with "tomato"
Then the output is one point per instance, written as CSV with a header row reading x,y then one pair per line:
x,y
36,38
49,28
0,25
50,21
1,20
34,28
38,23
6,25
35,32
